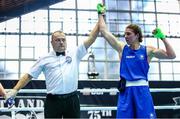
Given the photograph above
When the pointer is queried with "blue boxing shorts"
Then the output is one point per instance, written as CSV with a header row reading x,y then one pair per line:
x,y
135,102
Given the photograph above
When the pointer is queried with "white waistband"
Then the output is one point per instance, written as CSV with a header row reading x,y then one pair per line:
x,y
140,82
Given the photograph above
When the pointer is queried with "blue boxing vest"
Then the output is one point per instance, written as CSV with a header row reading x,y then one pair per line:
x,y
134,64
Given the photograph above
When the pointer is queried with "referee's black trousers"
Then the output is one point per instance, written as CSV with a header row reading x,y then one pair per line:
x,y
62,106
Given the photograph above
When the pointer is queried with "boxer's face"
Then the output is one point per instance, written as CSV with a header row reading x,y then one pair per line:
x,y
130,36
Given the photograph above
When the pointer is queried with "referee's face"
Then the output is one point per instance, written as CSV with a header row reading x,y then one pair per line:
x,y
59,42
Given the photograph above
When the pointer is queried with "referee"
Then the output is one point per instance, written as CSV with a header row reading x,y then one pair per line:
x,y
60,68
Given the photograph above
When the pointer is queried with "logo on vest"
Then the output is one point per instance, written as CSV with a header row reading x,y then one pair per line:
x,y
141,57
130,57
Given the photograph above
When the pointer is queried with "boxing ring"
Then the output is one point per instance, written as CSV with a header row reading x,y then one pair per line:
x,y
114,91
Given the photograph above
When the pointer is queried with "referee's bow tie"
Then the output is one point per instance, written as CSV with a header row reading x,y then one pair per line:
x,y
60,53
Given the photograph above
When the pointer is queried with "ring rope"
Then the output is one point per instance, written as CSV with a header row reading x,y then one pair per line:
x,y
81,108
99,90
90,108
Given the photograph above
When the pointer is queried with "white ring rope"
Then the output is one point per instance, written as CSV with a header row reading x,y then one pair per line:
x,y
86,90
40,109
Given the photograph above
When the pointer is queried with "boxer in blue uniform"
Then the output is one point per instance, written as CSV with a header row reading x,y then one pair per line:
x,y
134,99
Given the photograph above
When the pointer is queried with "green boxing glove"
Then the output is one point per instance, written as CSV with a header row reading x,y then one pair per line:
x,y
158,34
101,8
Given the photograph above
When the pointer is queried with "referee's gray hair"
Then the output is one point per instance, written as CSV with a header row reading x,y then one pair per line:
x,y
60,32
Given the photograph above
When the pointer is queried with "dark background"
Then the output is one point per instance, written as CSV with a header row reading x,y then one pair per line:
x,y
106,99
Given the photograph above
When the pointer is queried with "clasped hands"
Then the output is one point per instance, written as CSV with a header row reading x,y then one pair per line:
x,y
101,9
